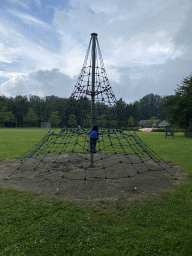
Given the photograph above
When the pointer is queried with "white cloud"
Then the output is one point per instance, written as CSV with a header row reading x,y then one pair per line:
x,y
52,82
143,44
133,39
16,85
41,82
7,54
29,19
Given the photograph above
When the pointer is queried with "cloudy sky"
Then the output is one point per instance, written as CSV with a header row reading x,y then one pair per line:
x,y
146,45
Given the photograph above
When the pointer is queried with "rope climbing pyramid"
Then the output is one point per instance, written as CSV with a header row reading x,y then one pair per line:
x,y
64,153
93,95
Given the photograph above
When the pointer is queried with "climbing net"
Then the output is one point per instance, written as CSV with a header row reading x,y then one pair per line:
x,y
65,152
106,111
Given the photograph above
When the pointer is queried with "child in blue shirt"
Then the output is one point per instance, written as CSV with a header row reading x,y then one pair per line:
x,y
94,136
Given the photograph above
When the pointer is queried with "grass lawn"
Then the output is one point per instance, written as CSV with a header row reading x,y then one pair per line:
x,y
34,225
15,142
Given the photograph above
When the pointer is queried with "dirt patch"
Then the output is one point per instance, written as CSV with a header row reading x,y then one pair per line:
x,y
112,177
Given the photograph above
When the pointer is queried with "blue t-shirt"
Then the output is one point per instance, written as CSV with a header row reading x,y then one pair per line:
x,y
94,133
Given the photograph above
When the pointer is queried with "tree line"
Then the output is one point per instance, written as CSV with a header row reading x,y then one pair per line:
x,y
178,107
31,110
23,111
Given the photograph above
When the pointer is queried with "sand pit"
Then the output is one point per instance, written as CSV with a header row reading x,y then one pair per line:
x,y
96,186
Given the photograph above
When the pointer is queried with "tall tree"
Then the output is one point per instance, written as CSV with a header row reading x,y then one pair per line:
x,y
133,110
152,121
178,107
86,121
6,117
101,121
20,108
151,105
131,121
31,117
121,113
54,119
72,122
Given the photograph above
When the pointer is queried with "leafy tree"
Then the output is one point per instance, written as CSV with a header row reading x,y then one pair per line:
x,y
152,121
131,121
151,105
6,116
178,107
54,118
2,118
34,100
121,105
31,117
72,121
40,107
86,121
20,107
9,117
121,112
101,121
113,123
50,99
58,104
133,110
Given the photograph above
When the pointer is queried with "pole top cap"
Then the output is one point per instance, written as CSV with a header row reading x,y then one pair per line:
x,y
94,34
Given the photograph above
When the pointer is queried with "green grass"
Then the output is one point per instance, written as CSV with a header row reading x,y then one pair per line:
x,y
34,225
177,150
15,142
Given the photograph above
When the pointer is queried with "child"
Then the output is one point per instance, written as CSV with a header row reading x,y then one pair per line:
x,y
94,136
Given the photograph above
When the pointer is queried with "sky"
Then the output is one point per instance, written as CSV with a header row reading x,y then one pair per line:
x,y
146,45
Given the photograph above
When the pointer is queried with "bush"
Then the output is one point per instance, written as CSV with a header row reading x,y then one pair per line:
x,y
131,129
159,130
179,130
163,130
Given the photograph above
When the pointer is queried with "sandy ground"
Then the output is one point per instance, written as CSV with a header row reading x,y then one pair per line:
x,y
67,178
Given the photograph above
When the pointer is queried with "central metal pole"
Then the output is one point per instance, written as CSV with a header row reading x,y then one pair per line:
x,y
94,36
